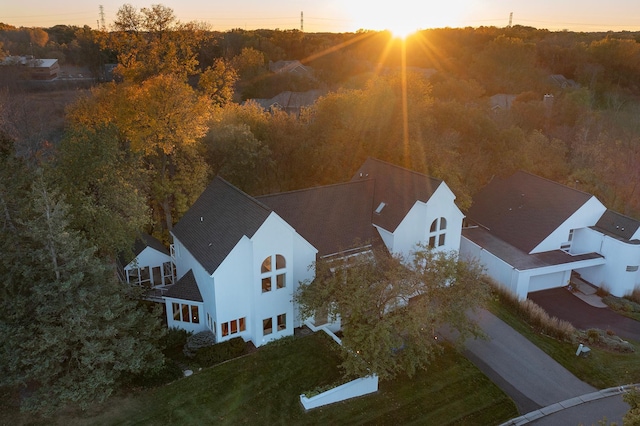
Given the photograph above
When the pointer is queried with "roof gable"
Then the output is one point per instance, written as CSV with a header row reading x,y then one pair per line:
x,y
524,209
215,223
332,218
186,288
398,188
146,240
618,225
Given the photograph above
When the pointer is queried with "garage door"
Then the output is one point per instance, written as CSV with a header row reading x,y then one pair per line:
x,y
547,281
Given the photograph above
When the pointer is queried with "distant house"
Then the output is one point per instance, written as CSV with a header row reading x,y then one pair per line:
x,y
34,69
239,259
293,67
535,234
290,102
501,101
562,82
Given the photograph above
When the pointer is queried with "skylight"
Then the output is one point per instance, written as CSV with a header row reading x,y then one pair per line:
x,y
380,207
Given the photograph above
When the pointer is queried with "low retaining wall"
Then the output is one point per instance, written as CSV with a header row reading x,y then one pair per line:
x,y
355,388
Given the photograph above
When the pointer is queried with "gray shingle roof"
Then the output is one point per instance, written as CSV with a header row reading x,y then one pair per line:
x,y
524,209
398,188
617,225
186,288
146,240
332,218
218,219
517,258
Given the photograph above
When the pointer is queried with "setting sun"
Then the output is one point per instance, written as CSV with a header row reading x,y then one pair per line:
x,y
404,17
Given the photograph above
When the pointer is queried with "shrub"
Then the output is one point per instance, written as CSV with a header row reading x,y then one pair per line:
x,y
634,296
220,352
175,338
199,340
602,291
536,316
167,373
606,340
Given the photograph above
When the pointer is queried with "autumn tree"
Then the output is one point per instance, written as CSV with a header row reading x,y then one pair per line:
x,y
218,82
104,186
152,41
390,311
69,333
162,120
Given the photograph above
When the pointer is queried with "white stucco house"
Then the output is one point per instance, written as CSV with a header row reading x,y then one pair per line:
x,y
239,259
534,234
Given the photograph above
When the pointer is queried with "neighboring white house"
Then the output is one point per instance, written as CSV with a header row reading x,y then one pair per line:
x,y
532,234
240,259
151,266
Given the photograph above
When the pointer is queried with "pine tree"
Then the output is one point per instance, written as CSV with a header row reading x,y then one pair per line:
x,y
69,333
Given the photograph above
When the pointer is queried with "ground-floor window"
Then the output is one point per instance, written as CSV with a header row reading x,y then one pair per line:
x,y
267,324
234,327
282,322
185,313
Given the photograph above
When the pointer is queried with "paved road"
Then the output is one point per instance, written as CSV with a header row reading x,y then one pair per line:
x,y
527,374
612,409
559,302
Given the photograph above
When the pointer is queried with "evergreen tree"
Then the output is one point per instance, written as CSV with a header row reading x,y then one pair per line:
x,y
69,333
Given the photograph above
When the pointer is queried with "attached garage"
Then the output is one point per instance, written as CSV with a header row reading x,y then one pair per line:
x,y
548,281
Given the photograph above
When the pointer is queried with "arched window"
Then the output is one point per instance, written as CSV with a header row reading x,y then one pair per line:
x,y
437,232
273,271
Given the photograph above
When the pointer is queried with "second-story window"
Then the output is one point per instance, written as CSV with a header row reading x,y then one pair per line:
x,y
273,273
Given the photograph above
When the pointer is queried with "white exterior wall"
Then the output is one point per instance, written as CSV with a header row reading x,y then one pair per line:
x,y
387,237
304,256
585,216
274,237
613,275
415,226
523,282
184,261
232,285
503,273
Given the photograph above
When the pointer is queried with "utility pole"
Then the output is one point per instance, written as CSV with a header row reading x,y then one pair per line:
x,y
102,17
301,21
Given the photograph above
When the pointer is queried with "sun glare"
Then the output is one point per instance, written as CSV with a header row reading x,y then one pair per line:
x,y
404,17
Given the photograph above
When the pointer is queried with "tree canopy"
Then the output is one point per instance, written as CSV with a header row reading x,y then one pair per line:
x,y
390,311
69,332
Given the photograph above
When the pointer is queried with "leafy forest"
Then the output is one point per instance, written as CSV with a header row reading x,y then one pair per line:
x,y
84,170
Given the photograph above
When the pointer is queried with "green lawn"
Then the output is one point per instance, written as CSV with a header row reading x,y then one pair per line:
x,y
602,369
263,389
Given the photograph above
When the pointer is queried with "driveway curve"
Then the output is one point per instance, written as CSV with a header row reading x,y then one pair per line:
x,y
561,303
522,370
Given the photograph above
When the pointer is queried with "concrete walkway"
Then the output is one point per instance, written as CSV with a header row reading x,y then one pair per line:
x,y
523,371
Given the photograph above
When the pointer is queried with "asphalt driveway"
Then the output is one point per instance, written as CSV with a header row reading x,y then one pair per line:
x,y
527,374
559,302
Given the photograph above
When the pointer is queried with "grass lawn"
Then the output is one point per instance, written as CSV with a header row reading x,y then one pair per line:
x,y
263,388
602,369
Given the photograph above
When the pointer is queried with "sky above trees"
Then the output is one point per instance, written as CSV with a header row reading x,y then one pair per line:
x,y
341,16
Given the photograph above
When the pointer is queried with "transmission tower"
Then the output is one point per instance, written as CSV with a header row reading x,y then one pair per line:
x,y
301,21
102,17
510,19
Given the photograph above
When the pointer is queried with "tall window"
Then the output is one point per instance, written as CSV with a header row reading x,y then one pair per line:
x,y
437,232
186,313
273,273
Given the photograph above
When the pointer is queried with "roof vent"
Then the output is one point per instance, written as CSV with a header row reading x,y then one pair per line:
x,y
380,207
200,218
